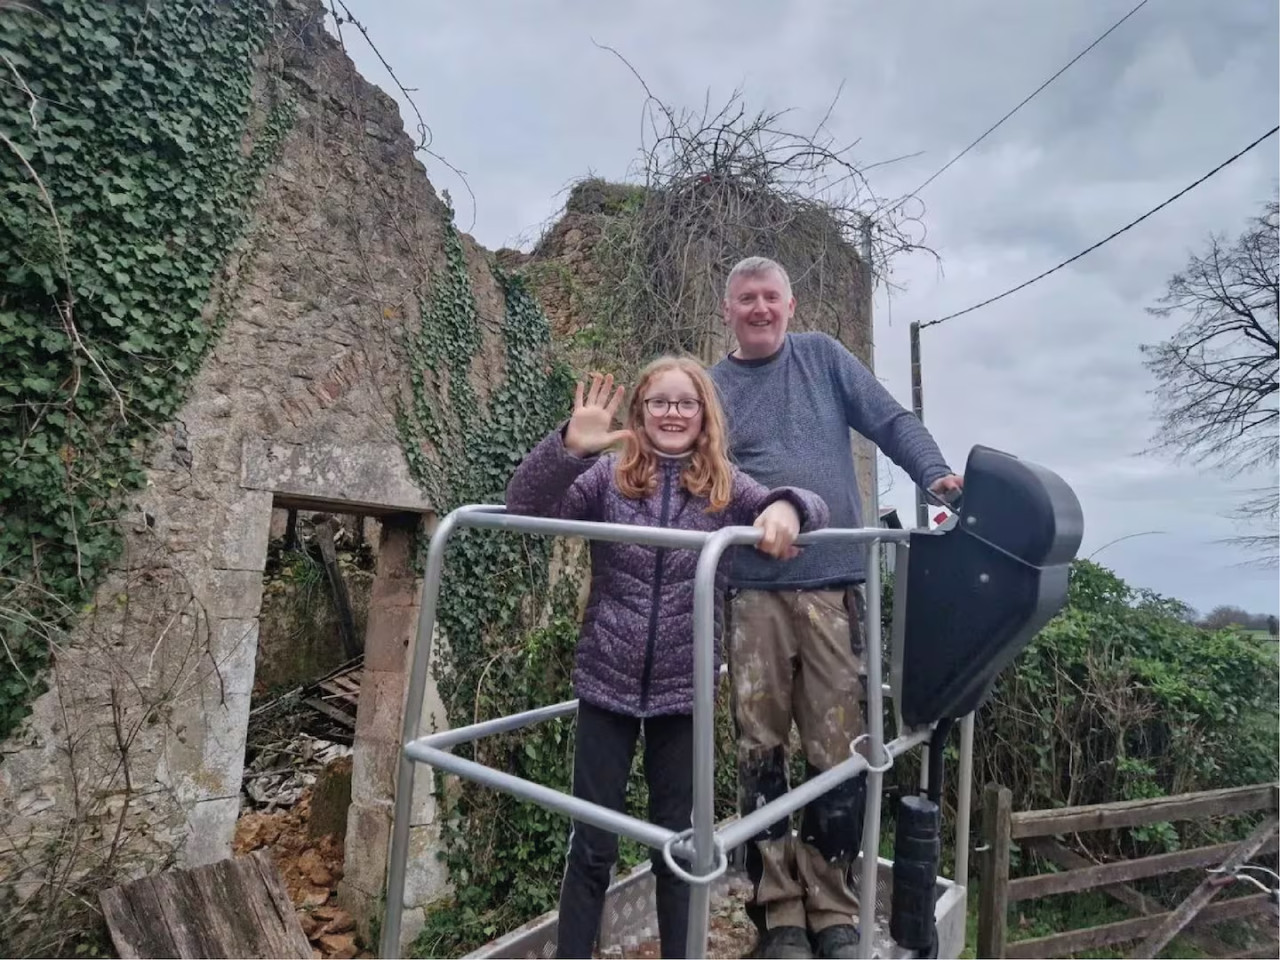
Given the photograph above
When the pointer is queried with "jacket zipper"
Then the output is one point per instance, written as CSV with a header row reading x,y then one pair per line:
x,y
659,553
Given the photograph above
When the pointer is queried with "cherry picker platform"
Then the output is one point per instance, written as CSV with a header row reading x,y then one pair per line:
x,y
967,600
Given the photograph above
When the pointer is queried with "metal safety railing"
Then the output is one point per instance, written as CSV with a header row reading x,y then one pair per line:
x,y
703,846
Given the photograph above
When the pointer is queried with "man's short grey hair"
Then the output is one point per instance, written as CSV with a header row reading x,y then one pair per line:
x,y
754,267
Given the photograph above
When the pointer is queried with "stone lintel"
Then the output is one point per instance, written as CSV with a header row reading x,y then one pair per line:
x,y
367,477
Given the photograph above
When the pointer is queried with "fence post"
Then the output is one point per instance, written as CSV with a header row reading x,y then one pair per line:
x,y
993,898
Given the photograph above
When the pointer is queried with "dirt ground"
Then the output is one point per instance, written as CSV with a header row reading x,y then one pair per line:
x,y
311,868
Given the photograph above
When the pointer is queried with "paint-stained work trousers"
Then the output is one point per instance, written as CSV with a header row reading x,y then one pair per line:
x,y
796,656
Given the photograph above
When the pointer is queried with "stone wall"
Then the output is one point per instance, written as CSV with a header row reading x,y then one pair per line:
x,y
133,758
132,761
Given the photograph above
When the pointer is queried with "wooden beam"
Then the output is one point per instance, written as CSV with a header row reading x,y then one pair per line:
x,y
1209,888
1121,871
129,914
1091,938
1198,934
1134,813
329,710
324,535
231,908
993,893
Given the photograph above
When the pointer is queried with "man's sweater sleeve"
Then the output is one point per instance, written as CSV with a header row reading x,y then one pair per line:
x,y
874,413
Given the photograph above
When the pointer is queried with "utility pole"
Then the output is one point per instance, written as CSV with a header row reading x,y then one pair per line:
x,y
917,407
865,250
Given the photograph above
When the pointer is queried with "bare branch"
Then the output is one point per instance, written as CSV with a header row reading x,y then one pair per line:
x,y
715,183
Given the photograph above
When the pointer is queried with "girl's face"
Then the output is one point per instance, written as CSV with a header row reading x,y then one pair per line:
x,y
672,412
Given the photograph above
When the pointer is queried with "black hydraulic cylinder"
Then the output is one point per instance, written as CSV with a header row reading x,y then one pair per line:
x,y
917,849
937,750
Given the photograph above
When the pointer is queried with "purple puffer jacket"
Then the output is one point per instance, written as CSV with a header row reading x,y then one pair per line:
x,y
635,650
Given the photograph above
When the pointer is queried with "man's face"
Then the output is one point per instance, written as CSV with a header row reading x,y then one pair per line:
x,y
757,310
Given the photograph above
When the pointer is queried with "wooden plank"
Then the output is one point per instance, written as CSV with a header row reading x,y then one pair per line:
x,y
184,922
232,908
344,681
348,685
338,690
245,934
1198,934
1091,938
335,692
1134,813
1209,888
315,703
294,942
1121,871
993,893
126,916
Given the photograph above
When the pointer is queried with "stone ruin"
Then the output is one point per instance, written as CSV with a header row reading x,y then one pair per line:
x,y
134,757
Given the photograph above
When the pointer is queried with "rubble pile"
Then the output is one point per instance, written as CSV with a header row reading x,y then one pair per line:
x,y
279,772
276,800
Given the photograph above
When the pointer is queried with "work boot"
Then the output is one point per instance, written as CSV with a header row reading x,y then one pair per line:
x,y
837,942
784,943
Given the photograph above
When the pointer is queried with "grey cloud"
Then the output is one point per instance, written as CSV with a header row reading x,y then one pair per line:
x,y
519,97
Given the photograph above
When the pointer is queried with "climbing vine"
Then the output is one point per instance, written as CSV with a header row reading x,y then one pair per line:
x,y
507,631
126,178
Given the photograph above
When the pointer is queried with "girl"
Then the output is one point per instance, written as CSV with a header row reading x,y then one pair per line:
x,y
634,663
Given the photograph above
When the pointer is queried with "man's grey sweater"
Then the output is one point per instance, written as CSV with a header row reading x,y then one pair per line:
x,y
789,419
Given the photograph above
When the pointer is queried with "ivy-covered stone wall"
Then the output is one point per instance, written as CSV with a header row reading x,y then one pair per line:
x,y
218,253
226,283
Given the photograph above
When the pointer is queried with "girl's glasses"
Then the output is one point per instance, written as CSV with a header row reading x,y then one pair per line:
x,y
661,406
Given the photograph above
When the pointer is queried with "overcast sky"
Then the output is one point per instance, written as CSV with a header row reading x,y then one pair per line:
x,y
518,97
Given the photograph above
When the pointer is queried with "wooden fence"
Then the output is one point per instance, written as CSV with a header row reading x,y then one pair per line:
x,y
1035,830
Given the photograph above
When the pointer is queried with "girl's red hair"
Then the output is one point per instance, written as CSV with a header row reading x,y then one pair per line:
x,y
708,473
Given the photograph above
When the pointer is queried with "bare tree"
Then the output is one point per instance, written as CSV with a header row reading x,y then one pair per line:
x,y
1225,615
1217,386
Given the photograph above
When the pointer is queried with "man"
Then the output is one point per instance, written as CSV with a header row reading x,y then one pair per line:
x,y
795,639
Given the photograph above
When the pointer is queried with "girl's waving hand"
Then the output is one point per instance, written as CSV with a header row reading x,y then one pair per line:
x,y
590,428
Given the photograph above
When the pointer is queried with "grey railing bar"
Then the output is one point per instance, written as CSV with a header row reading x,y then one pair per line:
x,y
875,736
964,794
587,529
703,834
742,830
702,846
848,535
594,814
490,519
474,731
402,815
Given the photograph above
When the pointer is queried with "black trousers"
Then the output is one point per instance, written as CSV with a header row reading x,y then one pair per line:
x,y
604,744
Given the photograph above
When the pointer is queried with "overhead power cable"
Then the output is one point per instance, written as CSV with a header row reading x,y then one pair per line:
x,y
1107,239
1031,96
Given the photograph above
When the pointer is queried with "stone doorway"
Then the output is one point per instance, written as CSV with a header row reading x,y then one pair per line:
x,y
319,737
368,482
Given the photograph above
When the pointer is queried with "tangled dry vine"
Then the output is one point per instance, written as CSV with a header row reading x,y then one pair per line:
x,y
716,184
